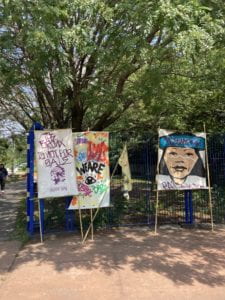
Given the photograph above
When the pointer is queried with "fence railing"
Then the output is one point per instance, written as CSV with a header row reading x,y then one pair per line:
x,y
139,209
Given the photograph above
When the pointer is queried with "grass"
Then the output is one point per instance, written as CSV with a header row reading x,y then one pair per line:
x,y
20,232
15,177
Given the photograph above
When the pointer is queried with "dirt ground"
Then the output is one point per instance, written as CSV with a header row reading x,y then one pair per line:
x,y
129,264
132,263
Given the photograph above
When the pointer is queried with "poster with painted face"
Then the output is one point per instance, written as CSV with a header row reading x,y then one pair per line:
x,y
92,168
56,174
181,161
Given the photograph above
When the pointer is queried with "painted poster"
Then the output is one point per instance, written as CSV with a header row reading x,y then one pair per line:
x,y
181,161
124,163
56,174
92,168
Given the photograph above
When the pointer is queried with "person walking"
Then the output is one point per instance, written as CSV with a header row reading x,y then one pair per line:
x,y
3,175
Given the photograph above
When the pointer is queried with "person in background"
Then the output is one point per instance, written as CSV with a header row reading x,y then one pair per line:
x,y
3,175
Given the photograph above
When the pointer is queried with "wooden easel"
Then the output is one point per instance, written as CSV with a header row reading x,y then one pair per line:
x,y
99,206
209,187
209,183
157,192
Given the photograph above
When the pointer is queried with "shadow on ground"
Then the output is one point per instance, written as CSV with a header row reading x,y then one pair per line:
x,y
182,255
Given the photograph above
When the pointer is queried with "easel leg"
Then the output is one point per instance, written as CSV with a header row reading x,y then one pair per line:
x,y
209,184
40,220
156,211
81,223
210,207
92,227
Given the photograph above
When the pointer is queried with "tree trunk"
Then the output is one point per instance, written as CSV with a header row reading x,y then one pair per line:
x,y
77,118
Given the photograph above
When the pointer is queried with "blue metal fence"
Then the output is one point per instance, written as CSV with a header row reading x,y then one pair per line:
x,y
174,206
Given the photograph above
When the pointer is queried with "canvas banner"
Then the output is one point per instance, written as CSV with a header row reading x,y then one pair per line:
x,y
56,174
181,161
92,168
124,163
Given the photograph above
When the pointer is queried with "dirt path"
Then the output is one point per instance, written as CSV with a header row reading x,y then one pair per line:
x,y
8,209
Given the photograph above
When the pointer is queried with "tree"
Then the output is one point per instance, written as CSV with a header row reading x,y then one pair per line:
x,y
90,64
13,151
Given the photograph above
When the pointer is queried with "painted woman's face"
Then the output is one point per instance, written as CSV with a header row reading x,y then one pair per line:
x,y
180,162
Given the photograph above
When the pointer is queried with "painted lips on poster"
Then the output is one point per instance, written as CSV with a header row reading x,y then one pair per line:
x,y
92,168
55,163
181,161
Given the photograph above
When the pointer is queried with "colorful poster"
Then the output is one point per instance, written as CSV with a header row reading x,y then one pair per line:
x,y
92,168
181,161
56,174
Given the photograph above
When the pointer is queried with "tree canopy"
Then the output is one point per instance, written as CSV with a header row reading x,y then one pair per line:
x,y
113,64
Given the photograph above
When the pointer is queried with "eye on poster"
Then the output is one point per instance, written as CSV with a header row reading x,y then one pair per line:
x,y
92,168
181,161
56,174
